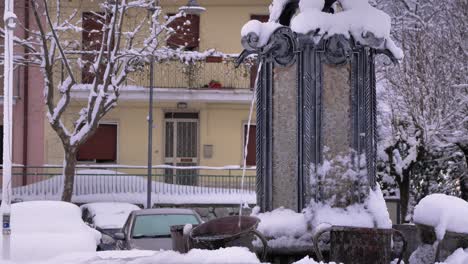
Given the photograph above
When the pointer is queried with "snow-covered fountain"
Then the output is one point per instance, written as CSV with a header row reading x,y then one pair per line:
x,y
316,126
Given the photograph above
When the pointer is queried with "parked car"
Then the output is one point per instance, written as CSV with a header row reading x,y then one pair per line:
x,y
107,218
149,229
44,229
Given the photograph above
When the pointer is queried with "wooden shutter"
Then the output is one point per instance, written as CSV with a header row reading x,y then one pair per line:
x,y
252,147
100,147
91,40
261,18
185,35
254,68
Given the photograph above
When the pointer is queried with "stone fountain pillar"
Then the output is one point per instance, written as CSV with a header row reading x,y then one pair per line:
x,y
316,120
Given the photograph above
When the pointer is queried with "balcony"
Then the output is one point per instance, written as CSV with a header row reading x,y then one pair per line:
x,y
212,73
213,80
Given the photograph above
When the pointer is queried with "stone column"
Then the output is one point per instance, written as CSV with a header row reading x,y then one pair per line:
x,y
284,164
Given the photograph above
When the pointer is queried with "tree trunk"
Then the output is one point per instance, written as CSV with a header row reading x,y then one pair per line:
x,y
404,195
464,180
69,173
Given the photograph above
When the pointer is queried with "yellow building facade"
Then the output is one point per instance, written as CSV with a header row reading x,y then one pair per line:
x,y
213,118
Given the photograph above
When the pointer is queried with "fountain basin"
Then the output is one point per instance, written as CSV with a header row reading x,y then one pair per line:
x,y
220,232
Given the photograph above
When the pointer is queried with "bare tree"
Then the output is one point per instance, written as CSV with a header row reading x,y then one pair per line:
x,y
122,48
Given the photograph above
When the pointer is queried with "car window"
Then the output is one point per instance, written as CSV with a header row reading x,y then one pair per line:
x,y
159,225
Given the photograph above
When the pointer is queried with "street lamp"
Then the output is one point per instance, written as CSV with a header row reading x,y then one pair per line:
x,y
152,11
10,20
192,8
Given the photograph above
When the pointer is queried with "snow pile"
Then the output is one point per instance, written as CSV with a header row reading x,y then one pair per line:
x,y
44,229
311,4
223,255
373,213
284,228
96,185
276,8
109,215
444,213
308,260
262,30
460,256
282,222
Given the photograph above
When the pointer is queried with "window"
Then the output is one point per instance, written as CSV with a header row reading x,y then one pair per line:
x,y
252,147
100,147
159,225
92,35
187,32
254,68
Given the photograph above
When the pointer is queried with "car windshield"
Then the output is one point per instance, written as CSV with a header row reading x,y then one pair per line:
x,y
150,226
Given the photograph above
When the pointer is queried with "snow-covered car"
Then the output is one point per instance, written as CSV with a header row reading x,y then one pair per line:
x,y
149,229
107,218
44,229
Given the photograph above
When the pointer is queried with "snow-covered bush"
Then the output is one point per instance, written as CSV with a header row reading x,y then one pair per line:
x,y
425,101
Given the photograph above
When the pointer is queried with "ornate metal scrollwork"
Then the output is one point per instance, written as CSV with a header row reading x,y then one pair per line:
x,y
280,48
338,49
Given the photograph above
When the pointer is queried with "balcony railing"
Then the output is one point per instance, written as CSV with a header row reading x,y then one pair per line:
x,y
212,73
129,184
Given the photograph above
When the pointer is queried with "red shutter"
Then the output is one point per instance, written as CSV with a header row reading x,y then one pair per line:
x,y
252,147
100,147
91,39
261,18
186,36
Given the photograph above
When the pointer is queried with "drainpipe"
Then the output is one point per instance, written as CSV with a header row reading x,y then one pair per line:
x,y
26,100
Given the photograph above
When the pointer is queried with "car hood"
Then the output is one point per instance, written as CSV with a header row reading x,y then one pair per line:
x,y
151,243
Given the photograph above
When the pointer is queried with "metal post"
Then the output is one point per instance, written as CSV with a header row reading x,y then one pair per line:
x,y
150,136
10,24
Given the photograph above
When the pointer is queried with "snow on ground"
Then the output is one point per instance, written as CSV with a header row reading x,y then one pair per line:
x,y
225,255
308,260
444,213
111,186
109,215
44,229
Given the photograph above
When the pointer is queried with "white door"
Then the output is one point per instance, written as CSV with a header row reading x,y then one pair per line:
x,y
181,147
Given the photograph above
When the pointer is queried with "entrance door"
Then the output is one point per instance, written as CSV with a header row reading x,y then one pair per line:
x,y
181,147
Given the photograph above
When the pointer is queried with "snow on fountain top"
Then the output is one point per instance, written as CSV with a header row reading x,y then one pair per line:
x,y
365,23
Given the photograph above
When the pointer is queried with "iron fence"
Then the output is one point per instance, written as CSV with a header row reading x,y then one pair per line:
x,y
129,183
212,73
